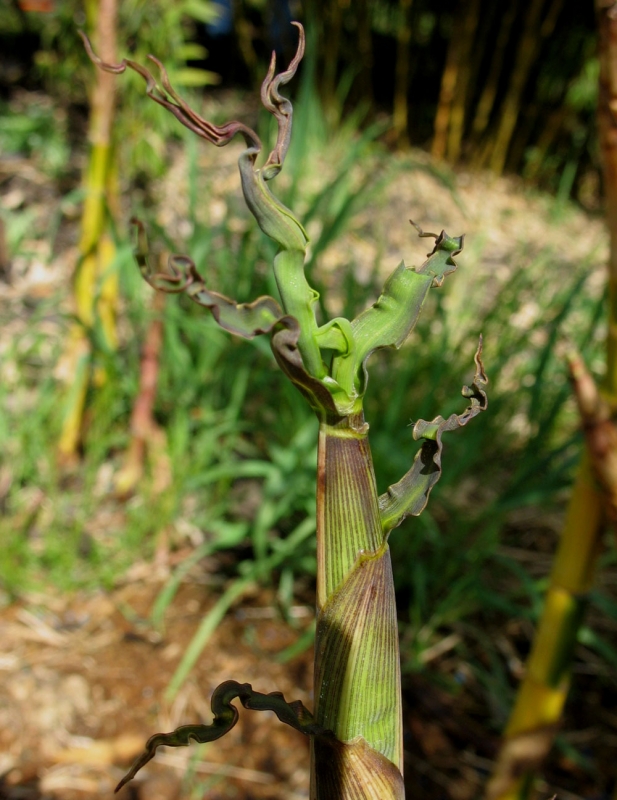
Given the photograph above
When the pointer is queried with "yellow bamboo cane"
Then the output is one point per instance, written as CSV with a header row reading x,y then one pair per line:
x,y
95,288
541,696
539,703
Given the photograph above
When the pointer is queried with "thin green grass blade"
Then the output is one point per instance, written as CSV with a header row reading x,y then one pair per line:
x,y
212,619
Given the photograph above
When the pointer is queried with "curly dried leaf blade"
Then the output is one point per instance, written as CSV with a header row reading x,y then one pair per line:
x,y
244,319
225,717
440,261
410,495
280,106
167,97
248,320
275,220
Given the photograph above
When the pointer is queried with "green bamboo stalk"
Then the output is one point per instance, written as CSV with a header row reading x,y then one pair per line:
x,y
463,84
356,609
356,729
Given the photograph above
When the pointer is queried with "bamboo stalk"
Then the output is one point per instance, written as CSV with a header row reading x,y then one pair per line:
x,y
550,130
400,117
459,101
446,96
541,696
356,729
489,92
96,249
350,548
332,45
534,31
525,55
365,49
607,28
534,110
353,627
600,433
147,439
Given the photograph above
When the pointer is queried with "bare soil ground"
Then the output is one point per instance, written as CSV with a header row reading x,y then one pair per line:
x,y
82,688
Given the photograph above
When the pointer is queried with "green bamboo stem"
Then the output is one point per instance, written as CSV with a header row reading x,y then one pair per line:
x,y
357,743
486,102
348,522
353,568
446,96
356,608
542,694
534,30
